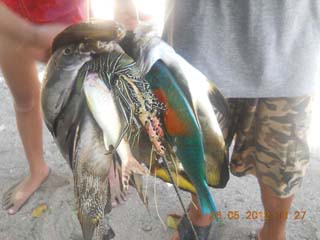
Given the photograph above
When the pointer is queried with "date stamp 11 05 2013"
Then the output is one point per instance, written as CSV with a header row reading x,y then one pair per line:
x,y
252,215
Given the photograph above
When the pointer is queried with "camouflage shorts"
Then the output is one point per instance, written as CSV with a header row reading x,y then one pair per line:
x,y
270,140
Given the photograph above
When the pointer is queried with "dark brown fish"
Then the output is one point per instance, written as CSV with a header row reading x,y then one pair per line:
x,y
87,31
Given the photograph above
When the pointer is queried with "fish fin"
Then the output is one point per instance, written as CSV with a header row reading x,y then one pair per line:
x,y
87,226
206,202
108,233
72,141
181,179
117,190
132,166
218,100
108,206
104,230
217,173
135,167
136,181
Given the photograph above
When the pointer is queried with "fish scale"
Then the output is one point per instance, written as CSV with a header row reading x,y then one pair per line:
x,y
189,140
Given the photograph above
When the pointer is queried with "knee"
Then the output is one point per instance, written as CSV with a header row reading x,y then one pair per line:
x,y
12,52
23,105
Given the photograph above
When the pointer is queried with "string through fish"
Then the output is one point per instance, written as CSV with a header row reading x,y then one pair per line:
x,y
155,201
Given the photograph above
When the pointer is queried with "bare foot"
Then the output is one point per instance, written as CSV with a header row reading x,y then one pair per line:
x,y
18,194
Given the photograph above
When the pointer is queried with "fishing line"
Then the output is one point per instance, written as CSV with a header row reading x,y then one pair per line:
x,y
147,180
155,201
179,196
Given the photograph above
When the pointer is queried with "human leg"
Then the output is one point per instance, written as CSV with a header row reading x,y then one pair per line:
x,y
274,148
20,73
276,209
285,136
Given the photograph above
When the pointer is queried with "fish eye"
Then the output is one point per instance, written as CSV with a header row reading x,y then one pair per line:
x,y
67,51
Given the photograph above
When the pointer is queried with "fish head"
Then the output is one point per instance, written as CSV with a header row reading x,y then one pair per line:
x,y
103,30
63,67
145,46
71,57
60,77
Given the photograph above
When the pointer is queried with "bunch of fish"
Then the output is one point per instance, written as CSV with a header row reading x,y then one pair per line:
x,y
121,105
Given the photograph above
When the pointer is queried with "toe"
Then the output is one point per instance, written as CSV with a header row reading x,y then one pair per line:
x,y
7,205
6,199
114,204
7,195
13,209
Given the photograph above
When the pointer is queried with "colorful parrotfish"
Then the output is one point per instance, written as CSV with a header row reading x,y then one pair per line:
x,y
190,123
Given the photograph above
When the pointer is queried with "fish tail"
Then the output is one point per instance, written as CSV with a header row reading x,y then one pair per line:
x,y
206,202
134,166
219,101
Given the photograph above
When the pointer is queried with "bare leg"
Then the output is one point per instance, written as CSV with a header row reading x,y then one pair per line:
x,y
197,218
274,228
21,76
